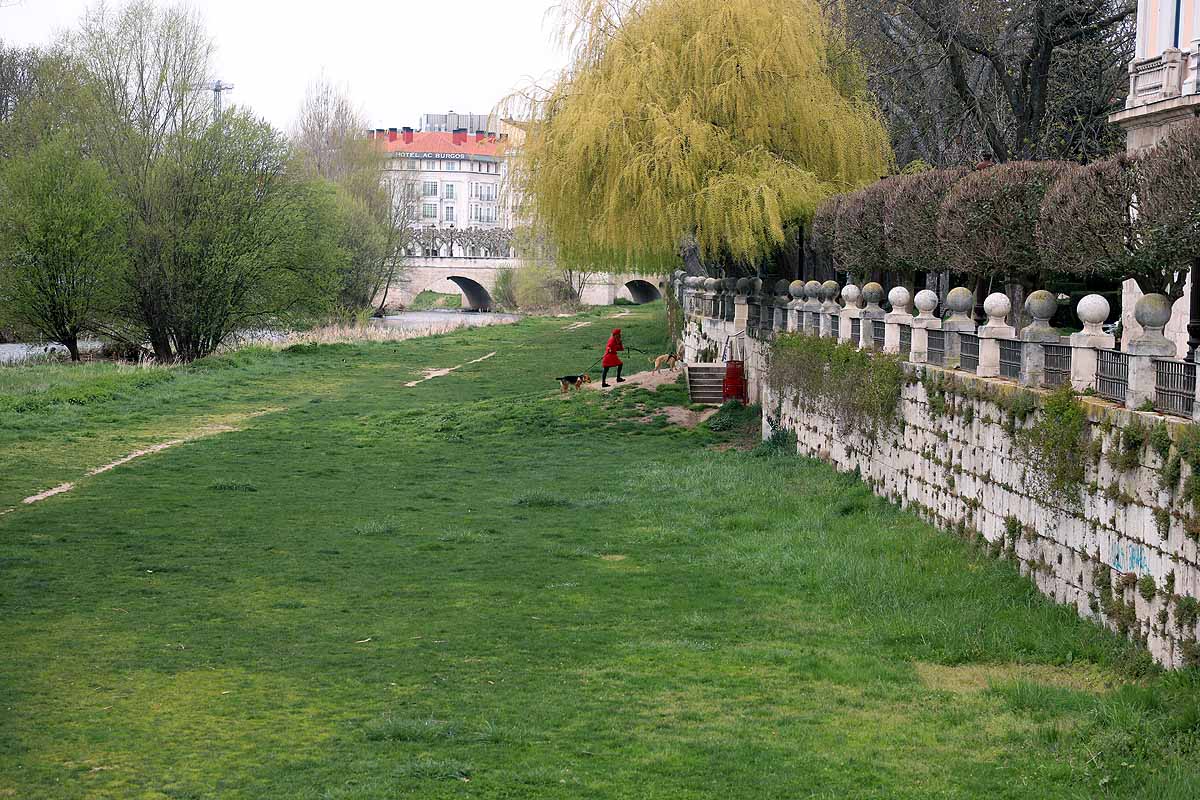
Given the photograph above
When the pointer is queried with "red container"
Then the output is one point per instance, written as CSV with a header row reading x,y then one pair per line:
x,y
734,385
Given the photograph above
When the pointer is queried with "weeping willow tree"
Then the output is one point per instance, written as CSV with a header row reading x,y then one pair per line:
x,y
693,123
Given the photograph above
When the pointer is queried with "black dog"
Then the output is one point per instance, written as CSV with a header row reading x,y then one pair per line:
x,y
573,381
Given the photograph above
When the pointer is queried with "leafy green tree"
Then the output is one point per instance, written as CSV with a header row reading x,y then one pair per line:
x,y
62,242
363,242
230,240
717,121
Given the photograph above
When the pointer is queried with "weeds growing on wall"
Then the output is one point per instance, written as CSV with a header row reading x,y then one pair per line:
x,y
860,390
1053,445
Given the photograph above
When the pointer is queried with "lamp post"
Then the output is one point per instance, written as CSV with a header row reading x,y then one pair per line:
x,y
1193,326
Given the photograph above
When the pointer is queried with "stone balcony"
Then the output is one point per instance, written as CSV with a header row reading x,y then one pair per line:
x,y
1163,90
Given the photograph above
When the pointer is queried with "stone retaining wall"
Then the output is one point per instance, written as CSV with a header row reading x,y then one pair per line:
x,y
957,463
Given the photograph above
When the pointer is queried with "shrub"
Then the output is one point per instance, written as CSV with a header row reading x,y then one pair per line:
x,y
1168,208
1129,454
1088,225
505,291
987,220
858,389
858,245
541,286
1053,444
821,232
911,205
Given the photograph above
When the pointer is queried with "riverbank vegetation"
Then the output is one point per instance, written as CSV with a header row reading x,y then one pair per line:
x,y
133,210
351,588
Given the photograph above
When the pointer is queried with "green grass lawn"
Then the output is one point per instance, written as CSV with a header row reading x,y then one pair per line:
x,y
428,299
477,588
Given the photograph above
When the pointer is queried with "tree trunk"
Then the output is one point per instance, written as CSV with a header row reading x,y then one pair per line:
x,y
71,342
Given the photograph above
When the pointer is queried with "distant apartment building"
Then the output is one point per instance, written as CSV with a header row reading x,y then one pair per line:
x,y
459,176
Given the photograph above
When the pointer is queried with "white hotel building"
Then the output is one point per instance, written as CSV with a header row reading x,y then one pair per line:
x,y
459,177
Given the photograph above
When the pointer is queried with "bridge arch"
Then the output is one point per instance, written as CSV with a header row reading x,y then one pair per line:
x,y
478,298
643,291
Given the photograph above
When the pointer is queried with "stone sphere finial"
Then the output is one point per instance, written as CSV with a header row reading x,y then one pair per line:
x,y
742,286
711,284
1041,305
900,298
851,294
829,290
796,289
756,286
1152,311
996,306
873,294
959,300
782,286
926,301
730,285
1092,312
812,290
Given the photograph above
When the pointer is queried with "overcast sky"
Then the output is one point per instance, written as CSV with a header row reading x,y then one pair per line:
x,y
399,58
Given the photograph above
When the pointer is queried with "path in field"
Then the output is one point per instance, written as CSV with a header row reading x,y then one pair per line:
x,y
210,429
435,372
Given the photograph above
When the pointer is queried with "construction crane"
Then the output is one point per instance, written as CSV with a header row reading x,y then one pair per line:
x,y
217,87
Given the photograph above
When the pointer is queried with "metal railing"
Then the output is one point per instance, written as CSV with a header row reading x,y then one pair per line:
x,y
1174,386
855,330
905,341
968,352
877,333
1057,368
936,348
1011,353
1112,375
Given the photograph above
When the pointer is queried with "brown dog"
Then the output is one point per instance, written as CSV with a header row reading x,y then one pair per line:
x,y
568,382
668,360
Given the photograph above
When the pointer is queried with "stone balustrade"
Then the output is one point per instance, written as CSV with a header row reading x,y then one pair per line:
x,y
1145,375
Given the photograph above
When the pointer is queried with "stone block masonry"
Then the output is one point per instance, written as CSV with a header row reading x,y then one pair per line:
x,y
1125,555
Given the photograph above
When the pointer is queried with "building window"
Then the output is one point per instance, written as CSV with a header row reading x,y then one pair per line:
x,y
451,166
449,214
429,188
448,191
429,211
483,191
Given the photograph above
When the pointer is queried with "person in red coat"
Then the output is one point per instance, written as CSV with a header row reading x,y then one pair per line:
x,y
611,359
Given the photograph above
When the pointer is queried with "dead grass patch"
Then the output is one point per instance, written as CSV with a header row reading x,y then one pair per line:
x,y
967,678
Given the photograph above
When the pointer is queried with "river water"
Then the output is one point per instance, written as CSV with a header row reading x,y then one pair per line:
x,y
442,319
15,353
416,320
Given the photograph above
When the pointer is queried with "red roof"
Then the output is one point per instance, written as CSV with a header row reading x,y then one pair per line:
x,y
442,142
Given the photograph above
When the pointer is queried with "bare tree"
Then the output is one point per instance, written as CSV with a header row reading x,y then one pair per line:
x,y
401,215
328,138
329,142
1023,79
18,66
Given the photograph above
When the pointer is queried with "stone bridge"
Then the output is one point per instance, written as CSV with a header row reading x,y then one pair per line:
x,y
474,279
